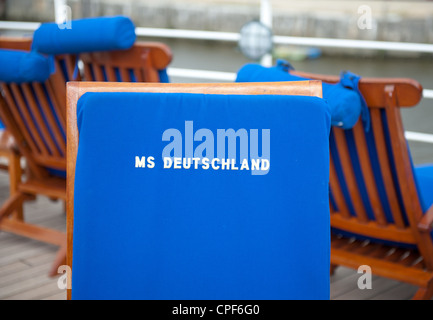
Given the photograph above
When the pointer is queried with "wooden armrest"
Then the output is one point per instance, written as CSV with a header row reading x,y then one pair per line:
x,y
426,223
408,91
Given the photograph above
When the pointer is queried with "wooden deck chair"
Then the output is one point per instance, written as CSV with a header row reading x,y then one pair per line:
x,y
65,66
34,114
380,216
205,232
147,62
8,149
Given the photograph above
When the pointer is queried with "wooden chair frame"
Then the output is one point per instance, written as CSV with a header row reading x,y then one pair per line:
x,y
39,148
76,89
411,266
8,149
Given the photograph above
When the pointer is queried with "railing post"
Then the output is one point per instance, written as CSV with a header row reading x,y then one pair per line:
x,y
266,19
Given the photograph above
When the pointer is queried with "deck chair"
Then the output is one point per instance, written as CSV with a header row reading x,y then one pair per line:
x,y
205,233
109,52
8,149
381,206
34,115
52,94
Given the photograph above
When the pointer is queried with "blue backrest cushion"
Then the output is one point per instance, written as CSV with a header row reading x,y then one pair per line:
x,y
345,103
142,231
85,35
21,66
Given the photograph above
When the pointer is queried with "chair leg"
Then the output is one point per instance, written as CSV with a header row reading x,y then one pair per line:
x,y
12,204
332,269
424,293
15,174
59,260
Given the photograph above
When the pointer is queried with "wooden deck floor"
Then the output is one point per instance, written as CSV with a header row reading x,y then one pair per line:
x,y
24,263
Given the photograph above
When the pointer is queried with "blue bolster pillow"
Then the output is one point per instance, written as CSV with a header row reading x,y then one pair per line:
x,y
85,35
18,66
345,103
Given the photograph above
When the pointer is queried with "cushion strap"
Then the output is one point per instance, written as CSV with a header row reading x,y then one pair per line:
x,y
351,80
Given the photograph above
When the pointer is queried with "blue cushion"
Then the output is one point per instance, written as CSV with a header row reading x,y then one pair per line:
x,y
424,176
155,233
21,66
345,102
85,35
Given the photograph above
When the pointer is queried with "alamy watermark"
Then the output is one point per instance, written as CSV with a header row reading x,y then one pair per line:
x,y
64,282
365,280
225,149
64,17
365,20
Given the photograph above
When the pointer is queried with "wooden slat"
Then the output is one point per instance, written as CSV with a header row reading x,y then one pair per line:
x,y
19,121
34,232
337,193
396,255
382,268
349,175
46,136
410,259
88,72
367,173
111,74
139,74
28,120
150,73
59,71
367,249
97,72
50,118
50,162
124,74
385,169
69,63
373,229
51,187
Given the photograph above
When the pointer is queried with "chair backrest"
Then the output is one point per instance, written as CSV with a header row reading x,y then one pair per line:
x,y
144,62
373,190
35,112
221,234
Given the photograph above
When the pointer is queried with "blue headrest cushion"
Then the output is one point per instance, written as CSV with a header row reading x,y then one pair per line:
x,y
344,102
85,35
21,66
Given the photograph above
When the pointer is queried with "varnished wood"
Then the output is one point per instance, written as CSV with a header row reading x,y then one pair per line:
x,y
349,175
410,225
143,60
76,89
35,115
426,222
382,268
407,91
16,43
373,229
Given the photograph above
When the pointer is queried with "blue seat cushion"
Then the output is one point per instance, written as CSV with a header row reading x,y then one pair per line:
x,y
424,176
85,35
344,102
163,233
21,66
